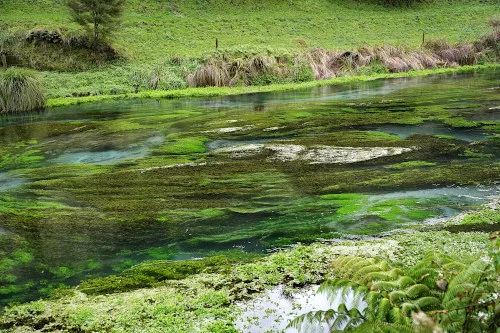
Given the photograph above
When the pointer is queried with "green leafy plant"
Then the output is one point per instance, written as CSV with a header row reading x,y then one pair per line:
x,y
436,294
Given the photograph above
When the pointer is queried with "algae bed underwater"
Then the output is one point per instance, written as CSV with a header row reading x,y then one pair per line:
x,y
91,190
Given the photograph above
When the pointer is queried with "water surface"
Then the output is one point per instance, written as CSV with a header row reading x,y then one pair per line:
x,y
91,190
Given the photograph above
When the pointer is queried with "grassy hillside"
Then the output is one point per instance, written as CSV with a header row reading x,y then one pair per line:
x,y
155,32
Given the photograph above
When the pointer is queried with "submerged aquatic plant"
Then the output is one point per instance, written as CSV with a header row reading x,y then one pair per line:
x,y
20,90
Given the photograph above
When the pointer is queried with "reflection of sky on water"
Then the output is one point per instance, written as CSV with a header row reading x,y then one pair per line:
x,y
8,181
274,309
109,157
431,128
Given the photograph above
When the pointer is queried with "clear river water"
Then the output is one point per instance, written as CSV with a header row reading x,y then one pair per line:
x,y
94,189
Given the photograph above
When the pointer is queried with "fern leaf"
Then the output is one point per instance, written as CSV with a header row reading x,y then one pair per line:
x,y
391,275
372,301
360,273
461,291
385,285
407,308
311,321
428,303
417,290
397,296
405,281
359,265
359,296
471,274
383,310
375,327
396,316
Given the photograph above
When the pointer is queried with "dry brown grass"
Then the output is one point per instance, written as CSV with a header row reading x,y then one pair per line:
x,y
210,75
453,55
322,62
329,64
260,64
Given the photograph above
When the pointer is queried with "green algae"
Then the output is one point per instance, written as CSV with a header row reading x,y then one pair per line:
x,y
20,155
184,146
183,199
411,165
209,297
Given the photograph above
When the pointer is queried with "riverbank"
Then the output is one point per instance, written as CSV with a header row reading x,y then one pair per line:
x,y
228,91
216,297
159,48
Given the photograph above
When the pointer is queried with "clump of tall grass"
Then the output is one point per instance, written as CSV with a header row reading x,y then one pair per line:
x,y
20,90
226,70
210,75
459,54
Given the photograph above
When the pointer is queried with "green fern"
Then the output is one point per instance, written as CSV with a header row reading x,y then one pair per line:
x,y
391,295
428,303
398,296
371,327
417,290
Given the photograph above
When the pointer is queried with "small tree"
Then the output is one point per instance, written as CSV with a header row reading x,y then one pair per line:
x,y
99,17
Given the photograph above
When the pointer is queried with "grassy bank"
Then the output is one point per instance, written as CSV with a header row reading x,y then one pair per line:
x,y
161,44
227,91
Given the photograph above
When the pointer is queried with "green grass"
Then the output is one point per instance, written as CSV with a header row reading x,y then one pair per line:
x,y
152,33
225,91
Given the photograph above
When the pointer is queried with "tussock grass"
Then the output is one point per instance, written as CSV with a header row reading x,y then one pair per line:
x,y
20,90
211,75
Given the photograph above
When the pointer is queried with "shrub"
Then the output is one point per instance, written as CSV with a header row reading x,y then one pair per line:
x,y
20,90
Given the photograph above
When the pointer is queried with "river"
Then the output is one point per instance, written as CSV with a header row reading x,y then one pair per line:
x,y
91,190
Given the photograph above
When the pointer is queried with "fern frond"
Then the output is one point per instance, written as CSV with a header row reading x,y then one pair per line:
x,y
359,265
359,296
372,301
405,281
393,274
339,322
471,274
363,271
333,289
336,320
384,307
396,316
453,304
376,327
385,285
345,266
417,290
309,322
428,303
454,266
397,296
425,276
407,308
461,291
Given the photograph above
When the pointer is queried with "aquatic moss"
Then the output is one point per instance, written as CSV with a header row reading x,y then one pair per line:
x,y
185,146
26,159
149,273
411,165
